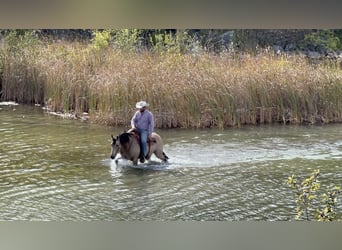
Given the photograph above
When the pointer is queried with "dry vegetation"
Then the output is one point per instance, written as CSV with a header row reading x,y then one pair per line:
x,y
184,90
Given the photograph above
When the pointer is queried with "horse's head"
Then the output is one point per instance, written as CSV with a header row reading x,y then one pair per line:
x,y
115,147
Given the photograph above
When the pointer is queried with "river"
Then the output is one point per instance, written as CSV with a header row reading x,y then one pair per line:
x,y
54,169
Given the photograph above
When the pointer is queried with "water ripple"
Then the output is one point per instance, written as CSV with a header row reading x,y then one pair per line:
x,y
53,169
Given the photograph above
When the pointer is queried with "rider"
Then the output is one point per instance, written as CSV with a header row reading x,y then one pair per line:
x,y
143,122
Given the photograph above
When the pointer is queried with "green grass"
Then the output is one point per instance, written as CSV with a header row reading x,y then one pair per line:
x,y
183,90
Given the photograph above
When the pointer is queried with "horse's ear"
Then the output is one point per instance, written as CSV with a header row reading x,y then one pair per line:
x,y
112,137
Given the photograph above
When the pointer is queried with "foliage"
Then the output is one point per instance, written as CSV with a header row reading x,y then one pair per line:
x,y
188,40
329,200
127,39
321,40
19,40
197,90
338,34
187,90
212,40
19,75
182,42
101,39
305,193
170,42
246,40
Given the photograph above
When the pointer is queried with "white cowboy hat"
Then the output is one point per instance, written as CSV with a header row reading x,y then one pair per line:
x,y
141,104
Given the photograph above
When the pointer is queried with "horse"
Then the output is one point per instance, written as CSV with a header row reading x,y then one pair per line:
x,y
128,144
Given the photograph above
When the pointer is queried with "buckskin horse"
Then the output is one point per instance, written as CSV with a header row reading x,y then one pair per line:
x,y
128,145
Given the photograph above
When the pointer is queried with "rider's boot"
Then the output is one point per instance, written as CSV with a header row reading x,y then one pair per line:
x,y
141,156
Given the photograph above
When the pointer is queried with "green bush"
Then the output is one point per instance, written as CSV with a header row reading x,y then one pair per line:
x,y
101,39
305,195
127,39
19,40
321,40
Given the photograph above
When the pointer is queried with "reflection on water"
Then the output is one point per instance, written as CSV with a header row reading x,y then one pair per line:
x,y
55,169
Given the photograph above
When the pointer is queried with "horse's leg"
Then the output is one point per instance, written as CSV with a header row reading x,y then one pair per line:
x,y
158,150
149,154
165,157
135,162
161,155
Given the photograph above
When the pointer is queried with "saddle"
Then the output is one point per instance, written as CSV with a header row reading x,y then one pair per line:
x,y
136,135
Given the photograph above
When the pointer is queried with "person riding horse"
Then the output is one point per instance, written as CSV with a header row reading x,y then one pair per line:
x,y
143,122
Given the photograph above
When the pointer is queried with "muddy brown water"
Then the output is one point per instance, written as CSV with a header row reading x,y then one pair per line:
x,y
60,170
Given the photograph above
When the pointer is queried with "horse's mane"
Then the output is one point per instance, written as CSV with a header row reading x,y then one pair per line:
x,y
124,138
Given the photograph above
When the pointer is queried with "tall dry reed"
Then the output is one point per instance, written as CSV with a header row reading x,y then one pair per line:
x,y
184,90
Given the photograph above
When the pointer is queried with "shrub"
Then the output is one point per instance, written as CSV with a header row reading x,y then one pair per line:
x,y
185,89
19,40
127,39
101,39
305,194
321,40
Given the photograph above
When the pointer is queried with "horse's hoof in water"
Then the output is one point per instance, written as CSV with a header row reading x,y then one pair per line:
x,y
116,161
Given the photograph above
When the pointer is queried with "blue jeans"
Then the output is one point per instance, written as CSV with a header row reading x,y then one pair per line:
x,y
143,140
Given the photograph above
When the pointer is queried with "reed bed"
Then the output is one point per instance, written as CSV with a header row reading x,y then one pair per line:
x,y
184,90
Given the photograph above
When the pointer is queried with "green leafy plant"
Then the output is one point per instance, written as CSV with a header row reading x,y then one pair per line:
x,y
321,40
127,39
168,42
19,40
162,41
305,194
329,199
101,39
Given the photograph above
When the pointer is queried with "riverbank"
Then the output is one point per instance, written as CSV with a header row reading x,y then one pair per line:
x,y
184,90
